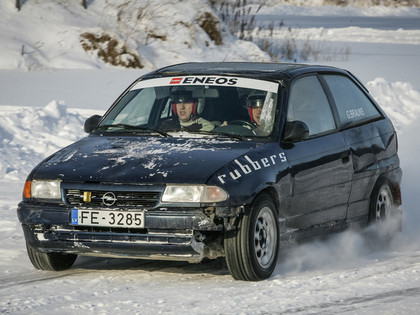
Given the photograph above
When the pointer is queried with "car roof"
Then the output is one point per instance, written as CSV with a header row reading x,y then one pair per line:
x,y
257,70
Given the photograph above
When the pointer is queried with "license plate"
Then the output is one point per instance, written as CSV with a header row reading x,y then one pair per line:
x,y
124,219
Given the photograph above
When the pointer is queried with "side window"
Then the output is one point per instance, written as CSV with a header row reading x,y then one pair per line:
x,y
308,103
352,104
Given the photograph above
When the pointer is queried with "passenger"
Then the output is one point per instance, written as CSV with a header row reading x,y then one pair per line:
x,y
255,104
184,106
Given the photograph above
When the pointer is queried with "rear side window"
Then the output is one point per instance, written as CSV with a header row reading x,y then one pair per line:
x,y
352,104
308,103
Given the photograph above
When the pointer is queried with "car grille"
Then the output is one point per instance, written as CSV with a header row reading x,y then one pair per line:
x,y
98,198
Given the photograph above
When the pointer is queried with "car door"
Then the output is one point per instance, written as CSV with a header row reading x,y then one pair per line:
x,y
321,165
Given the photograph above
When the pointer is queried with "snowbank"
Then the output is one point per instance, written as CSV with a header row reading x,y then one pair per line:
x,y
399,100
48,34
51,34
29,134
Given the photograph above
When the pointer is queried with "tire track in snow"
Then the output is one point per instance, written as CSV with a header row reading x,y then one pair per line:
x,y
358,303
7,283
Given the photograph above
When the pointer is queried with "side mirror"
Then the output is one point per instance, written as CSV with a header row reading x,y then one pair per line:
x,y
295,131
91,123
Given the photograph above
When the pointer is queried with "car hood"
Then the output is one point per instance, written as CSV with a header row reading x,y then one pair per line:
x,y
130,159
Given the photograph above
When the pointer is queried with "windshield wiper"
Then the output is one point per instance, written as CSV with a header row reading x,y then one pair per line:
x,y
134,128
233,136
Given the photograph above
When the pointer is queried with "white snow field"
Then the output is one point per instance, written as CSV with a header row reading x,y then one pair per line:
x,y
48,92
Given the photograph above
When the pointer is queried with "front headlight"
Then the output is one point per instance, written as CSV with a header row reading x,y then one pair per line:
x,y
193,194
43,189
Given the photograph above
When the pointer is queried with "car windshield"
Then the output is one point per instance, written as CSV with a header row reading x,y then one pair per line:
x,y
228,106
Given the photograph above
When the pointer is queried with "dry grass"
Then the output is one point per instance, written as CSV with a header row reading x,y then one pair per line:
x,y
110,50
209,23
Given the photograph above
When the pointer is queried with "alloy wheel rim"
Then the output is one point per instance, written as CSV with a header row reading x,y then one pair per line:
x,y
265,240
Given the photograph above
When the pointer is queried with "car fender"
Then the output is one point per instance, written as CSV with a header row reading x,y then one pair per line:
x,y
249,174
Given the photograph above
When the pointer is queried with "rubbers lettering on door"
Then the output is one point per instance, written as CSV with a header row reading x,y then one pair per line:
x,y
249,165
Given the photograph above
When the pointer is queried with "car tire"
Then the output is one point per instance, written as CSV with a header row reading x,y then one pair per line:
x,y
252,249
383,212
50,261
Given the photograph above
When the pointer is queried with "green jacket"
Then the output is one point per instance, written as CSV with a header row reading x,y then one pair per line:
x,y
195,123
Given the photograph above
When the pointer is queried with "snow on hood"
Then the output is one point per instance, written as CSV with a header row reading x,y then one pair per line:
x,y
129,159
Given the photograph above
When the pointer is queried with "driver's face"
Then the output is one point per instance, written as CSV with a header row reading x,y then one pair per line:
x,y
184,110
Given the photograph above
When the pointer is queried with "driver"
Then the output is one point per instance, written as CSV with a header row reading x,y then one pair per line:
x,y
184,106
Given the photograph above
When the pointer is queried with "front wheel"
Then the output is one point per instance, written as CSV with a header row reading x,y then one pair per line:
x,y
50,261
252,249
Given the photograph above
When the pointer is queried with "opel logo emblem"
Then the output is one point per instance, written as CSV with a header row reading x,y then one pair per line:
x,y
109,199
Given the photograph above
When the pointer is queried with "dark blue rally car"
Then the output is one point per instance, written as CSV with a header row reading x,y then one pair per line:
x,y
207,160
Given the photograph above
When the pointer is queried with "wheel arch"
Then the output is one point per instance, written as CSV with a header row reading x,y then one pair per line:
x,y
272,193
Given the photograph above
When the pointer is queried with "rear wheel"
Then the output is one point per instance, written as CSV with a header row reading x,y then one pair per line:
x,y
50,261
383,212
251,251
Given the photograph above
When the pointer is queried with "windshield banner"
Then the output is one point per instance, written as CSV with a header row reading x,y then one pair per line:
x,y
209,80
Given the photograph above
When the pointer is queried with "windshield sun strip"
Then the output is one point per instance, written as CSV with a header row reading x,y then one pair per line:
x,y
232,81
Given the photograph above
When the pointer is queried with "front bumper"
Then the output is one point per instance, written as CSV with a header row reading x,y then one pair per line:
x,y
169,246
176,234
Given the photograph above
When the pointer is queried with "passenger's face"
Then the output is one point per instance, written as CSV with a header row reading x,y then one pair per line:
x,y
184,110
256,113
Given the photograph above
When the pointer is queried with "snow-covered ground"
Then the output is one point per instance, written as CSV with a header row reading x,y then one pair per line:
x,y
44,110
